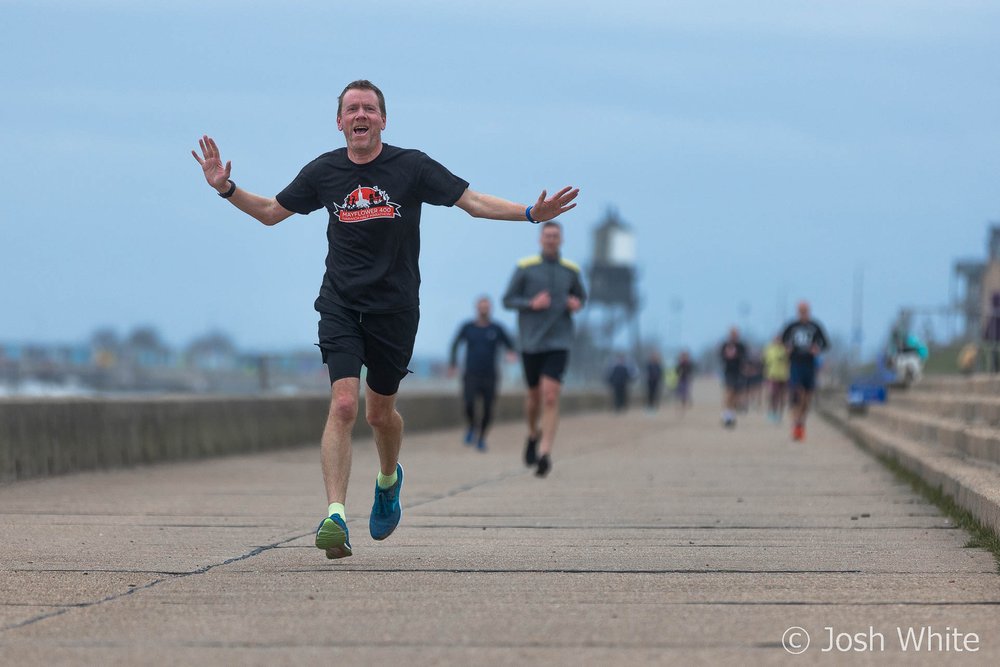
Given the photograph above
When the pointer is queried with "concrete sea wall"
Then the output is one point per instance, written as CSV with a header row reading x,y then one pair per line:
x,y
40,437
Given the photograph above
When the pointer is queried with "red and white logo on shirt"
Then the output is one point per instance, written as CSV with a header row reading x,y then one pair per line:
x,y
367,203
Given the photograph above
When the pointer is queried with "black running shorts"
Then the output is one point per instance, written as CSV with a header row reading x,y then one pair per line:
x,y
551,364
382,343
802,374
735,381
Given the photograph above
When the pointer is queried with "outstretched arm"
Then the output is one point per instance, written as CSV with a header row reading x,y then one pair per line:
x,y
267,211
480,205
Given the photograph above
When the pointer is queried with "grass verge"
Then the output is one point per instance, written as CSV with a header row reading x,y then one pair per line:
x,y
981,537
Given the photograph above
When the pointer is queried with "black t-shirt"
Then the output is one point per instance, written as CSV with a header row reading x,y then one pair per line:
x,y
374,232
733,354
801,337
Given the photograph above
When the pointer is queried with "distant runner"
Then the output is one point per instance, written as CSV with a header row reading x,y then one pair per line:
x,y
545,290
776,374
685,374
733,354
483,338
654,381
805,340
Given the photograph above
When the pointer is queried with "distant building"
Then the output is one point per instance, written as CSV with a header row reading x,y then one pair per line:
x,y
978,281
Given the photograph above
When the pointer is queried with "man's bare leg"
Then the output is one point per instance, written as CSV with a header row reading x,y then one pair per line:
x,y
532,414
533,409
387,426
549,390
335,453
805,398
802,398
335,459
729,406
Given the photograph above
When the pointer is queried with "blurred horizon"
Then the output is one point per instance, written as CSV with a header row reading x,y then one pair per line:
x,y
761,154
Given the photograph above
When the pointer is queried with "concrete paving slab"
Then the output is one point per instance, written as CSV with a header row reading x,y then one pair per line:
x,y
26,588
655,540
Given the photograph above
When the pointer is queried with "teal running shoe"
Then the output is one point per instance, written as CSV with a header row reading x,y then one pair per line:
x,y
386,511
332,537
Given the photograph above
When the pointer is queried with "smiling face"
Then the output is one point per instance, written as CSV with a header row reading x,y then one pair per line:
x,y
362,122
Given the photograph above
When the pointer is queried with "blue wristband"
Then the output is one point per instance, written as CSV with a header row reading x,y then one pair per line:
x,y
527,214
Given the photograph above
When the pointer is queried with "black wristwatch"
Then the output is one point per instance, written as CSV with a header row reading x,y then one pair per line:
x,y
229,193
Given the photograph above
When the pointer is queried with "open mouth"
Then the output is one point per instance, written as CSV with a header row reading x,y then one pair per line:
x,y
360,130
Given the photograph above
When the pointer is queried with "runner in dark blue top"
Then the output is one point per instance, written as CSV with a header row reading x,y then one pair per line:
x,y
483,338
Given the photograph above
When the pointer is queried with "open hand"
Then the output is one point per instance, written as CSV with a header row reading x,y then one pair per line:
x,y
216,175
546,209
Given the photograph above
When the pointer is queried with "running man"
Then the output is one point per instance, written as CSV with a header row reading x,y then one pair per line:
x,y
733,354
368,302
483,338
804,339
545,290
619,377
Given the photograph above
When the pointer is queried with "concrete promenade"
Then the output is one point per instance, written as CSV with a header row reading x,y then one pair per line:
x,y
655,540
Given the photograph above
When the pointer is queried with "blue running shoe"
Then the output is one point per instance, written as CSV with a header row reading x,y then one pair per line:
x,y
332,537
470,436
481,445
386,510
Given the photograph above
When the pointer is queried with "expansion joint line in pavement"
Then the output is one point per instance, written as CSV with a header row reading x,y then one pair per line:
x,y
151,584
235,559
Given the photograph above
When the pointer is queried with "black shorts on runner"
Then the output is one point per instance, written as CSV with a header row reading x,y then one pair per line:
x,y
551,364
382,343
734,381
802,374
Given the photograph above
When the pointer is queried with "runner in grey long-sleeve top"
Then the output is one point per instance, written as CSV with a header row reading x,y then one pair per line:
x,y
545,290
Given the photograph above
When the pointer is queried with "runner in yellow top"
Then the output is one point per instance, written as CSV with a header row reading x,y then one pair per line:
x,y
776,374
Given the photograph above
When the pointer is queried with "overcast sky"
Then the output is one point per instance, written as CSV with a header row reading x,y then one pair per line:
x,y
762,152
